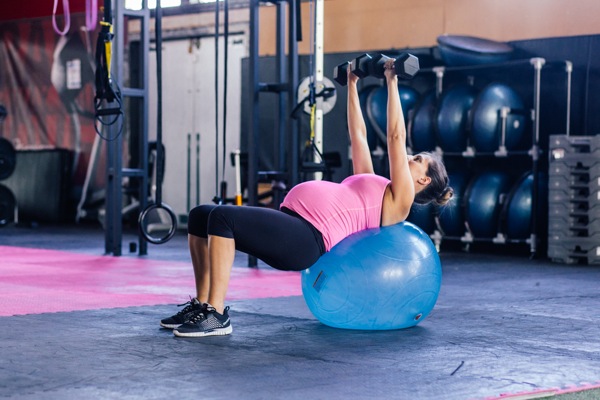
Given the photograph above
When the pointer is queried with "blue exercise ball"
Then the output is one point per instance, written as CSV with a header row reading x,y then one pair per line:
x,y
451,123
377,279
452,215
486,121
377,107
484,197
421,128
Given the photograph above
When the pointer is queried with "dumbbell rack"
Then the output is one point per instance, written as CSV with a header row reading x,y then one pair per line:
x,y
574,199
533,153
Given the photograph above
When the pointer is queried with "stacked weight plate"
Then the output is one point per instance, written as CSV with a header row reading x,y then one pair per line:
x,y
574,199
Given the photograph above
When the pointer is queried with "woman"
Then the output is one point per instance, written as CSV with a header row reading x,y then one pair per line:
x,y
313,218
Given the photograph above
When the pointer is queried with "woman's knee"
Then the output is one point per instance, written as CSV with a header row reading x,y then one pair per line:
x,y
221,221
198,220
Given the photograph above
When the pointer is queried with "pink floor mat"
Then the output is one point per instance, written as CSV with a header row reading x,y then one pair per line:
x,y
36,281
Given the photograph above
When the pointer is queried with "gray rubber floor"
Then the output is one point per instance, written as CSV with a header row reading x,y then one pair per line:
x,y
502,325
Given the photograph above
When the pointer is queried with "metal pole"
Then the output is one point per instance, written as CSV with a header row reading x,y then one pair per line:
x,y
319,21
538,64
253,90
293,161
280,122
253,87
569,70
114,166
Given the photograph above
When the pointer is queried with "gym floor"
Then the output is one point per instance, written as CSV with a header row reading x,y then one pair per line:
x,y
79,324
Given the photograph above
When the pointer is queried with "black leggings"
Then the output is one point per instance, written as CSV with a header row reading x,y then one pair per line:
x,y
282,239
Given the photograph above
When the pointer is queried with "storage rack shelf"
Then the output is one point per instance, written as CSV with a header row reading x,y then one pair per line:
x,y
532,155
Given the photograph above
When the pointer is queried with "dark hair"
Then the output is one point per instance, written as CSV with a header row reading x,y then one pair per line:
x,y
438,191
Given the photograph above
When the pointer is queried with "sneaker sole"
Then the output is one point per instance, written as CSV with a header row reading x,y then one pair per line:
x,y
170,326
216,332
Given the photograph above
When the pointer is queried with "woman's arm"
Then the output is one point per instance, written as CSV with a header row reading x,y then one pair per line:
x,y
359,147
399,198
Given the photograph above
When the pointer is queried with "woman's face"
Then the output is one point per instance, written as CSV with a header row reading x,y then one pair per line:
x,y
419,165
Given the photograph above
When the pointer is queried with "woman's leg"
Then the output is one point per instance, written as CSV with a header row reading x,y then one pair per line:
x,y
198,247
281,240
199,252
221,255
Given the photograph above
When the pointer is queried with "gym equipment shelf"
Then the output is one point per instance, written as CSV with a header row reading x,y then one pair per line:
x,y
535,65
574,199
114,164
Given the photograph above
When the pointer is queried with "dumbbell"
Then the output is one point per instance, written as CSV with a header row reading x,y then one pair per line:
x,y
340,73
406,67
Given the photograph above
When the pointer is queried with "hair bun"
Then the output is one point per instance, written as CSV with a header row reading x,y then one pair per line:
x,y
445,196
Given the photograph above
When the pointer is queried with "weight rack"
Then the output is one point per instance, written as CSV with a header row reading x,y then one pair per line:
x,y
574,199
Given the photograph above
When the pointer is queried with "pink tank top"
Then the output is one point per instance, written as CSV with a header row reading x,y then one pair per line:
x,y
338,210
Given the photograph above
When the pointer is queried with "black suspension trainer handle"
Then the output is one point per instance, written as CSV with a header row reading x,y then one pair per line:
x,y
158,206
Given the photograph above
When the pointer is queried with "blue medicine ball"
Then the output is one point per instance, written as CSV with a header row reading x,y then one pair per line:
x,y
517,215
377,279
422,128
486,120
484,205
451,121
452,216
377,107
363,95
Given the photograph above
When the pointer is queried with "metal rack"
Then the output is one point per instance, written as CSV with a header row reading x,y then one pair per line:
x,y
139,97
574,199
534,152
285,88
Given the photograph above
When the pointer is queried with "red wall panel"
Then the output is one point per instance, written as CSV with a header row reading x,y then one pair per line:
x,y
40,8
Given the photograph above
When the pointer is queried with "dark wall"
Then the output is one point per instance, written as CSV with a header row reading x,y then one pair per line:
x,y
584,53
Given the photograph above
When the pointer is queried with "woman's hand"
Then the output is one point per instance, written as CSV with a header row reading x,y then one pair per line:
x,y
352,78
389,71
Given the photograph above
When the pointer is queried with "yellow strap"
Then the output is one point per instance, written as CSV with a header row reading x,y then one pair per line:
x,y
108,53
313,113
108,47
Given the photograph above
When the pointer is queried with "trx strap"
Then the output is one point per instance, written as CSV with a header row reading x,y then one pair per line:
x,y
105,94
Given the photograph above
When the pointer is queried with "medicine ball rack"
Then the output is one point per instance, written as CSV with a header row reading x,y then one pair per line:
x,y
470,155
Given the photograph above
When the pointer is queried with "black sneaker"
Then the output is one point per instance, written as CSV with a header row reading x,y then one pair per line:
x,y
206,323
183,315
